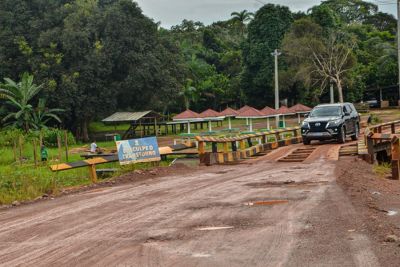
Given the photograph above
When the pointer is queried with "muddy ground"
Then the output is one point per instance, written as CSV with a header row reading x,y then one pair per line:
x,y
322,212
375,198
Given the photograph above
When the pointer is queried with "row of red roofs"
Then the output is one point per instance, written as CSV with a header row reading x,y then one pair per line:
x,y
244,112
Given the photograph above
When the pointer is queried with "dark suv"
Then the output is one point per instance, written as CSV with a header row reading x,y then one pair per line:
x,y
331,121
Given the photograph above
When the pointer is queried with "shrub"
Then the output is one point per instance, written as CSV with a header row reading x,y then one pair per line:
x,y
50,137
375,119
7,136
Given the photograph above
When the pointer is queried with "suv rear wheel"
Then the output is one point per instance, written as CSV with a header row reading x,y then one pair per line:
x,y
356,134
342,136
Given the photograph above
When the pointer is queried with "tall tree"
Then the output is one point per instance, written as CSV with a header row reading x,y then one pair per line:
x,y
241,19
266,33
325,59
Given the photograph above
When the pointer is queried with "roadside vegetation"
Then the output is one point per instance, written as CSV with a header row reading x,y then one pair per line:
x,y
383,170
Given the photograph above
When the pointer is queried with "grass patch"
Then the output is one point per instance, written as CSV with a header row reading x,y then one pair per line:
x,y
99,127
382,170
24,181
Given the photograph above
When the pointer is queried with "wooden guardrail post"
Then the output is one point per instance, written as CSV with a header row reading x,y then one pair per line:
x,y
249,142
371,153
234,147
201,148
393,128
395,158
214,147
92,173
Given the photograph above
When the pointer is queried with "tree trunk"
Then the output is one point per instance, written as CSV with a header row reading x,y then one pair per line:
x,y
85,132
340,89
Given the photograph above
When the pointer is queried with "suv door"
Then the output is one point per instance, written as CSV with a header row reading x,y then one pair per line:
x,y
348,122
354,116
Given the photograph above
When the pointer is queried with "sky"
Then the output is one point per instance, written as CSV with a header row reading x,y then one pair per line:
x,y
172,12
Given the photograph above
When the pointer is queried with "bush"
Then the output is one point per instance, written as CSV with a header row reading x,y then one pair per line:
x,y
375,119
50,137
7,136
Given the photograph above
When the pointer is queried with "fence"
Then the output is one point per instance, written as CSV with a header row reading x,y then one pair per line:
x,y
378,144
99,159
235,148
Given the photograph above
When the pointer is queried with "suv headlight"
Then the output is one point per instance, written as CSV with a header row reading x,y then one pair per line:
x,y
305,125
334,123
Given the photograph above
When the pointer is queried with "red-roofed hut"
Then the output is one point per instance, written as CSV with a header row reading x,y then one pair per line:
x,y
250,114
244,108
209,115
187,116
269,113
229,113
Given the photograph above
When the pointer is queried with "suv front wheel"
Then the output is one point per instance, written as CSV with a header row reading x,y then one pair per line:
x,y
306,141
342,135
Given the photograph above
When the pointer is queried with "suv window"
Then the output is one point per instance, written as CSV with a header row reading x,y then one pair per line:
x,y
326,111
349,108
345,109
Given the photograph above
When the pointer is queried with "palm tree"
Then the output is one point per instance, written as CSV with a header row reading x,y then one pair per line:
x,y
42,115
242,18
189,93
18,96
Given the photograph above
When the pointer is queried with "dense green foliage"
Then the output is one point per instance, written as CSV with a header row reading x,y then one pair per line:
x,y
95,57
18,109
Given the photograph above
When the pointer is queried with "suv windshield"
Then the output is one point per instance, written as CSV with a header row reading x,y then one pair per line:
x,y
333,111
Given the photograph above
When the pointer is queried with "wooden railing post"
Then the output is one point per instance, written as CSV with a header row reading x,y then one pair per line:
x,y
249,142
395,158
92,173
202,149
234,147
393,128
370,147
214,147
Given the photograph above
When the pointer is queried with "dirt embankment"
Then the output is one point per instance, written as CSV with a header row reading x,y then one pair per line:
x,y
377,200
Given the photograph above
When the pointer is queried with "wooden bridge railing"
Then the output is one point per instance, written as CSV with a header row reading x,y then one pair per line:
x,y
235,148
379,141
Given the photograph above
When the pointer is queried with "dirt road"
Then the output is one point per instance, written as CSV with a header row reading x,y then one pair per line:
x,y
258,213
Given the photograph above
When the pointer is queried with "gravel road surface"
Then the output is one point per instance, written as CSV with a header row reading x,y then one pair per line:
x,y
257,213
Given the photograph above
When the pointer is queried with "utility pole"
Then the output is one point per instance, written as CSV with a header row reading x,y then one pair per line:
x,y
276,54
398,44
332,94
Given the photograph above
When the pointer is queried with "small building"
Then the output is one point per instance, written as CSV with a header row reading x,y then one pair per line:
x,y
143,123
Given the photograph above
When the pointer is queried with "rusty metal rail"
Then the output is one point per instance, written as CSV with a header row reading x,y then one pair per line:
x,y
235,148
379,141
